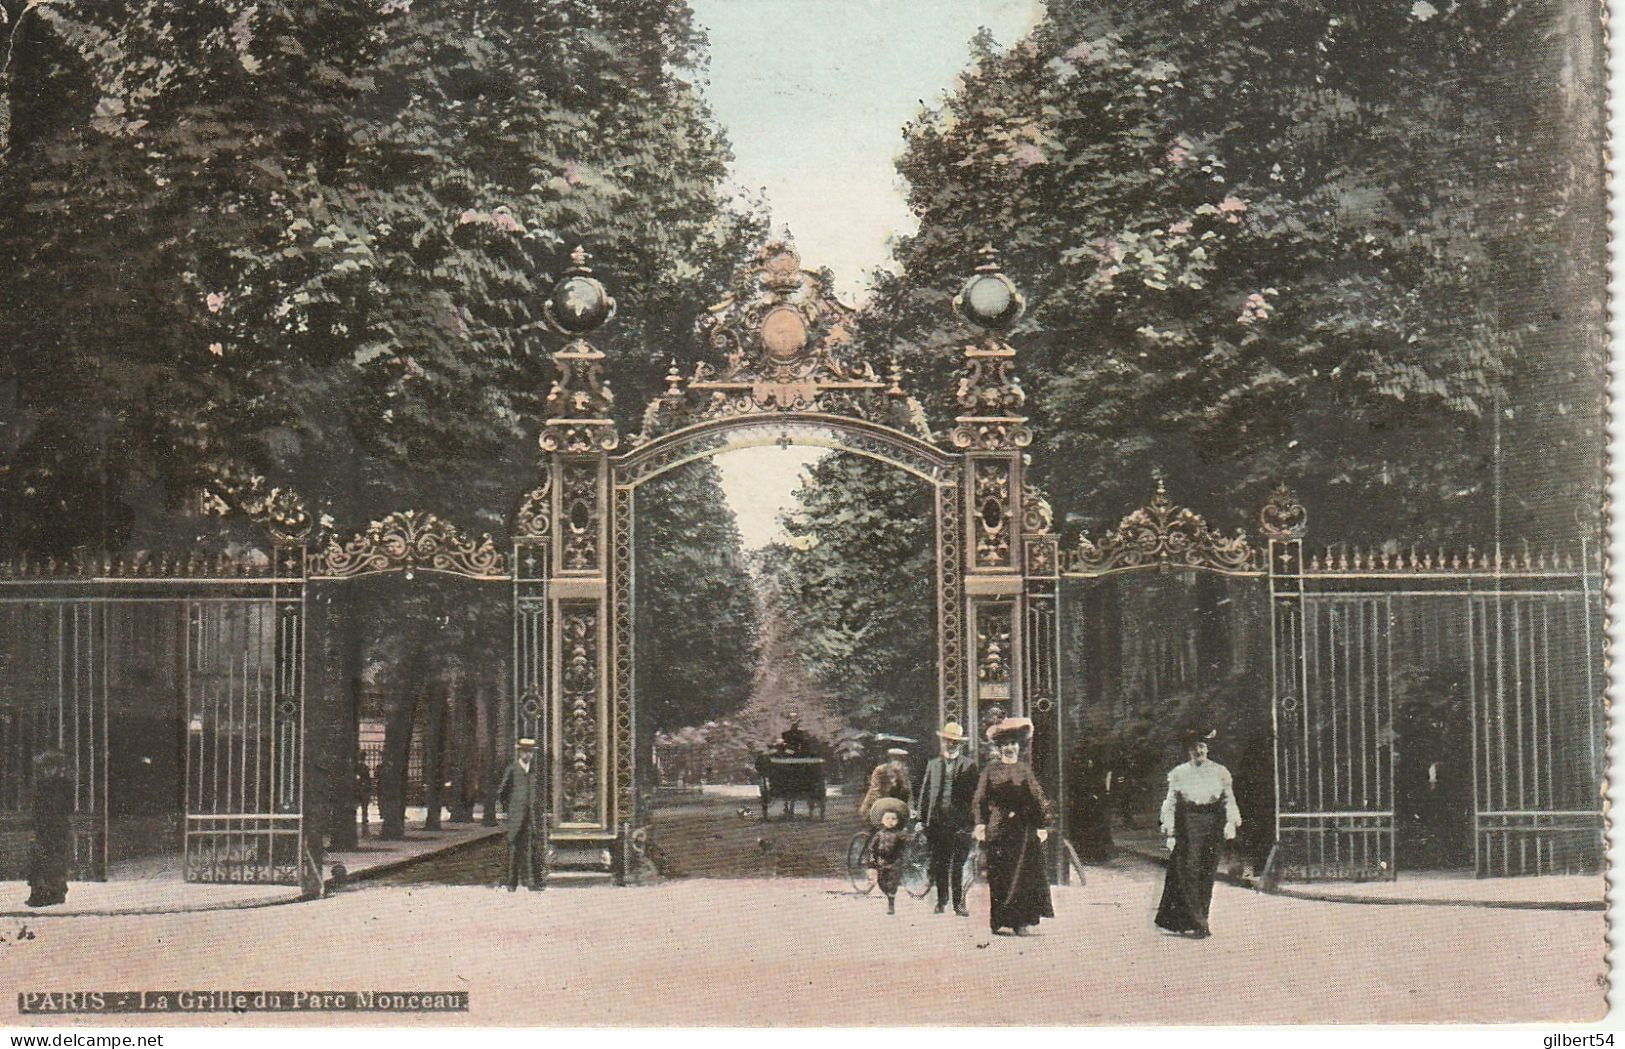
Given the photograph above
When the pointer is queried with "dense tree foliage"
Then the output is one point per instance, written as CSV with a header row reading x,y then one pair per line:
x,y
857,574
307,241
1268,240
696,613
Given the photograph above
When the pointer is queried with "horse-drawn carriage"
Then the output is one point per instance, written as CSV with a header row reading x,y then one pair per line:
x,y
789,780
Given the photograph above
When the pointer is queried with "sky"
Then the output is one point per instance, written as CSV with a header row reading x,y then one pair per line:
x,y
813,95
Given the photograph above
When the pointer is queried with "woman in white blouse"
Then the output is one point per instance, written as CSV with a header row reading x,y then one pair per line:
x,y
1198,816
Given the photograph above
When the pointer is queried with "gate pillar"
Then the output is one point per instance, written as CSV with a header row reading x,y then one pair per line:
x,y
1010,613
1282,521
581,731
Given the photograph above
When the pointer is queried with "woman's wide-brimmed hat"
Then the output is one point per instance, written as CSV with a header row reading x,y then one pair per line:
x,y
1192,736
885,805
951,731
1018,730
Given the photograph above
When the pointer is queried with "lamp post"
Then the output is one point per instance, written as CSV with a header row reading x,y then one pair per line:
x,y
989,299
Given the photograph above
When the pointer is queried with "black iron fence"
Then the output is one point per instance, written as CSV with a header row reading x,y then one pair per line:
x,y
1380,710
174,688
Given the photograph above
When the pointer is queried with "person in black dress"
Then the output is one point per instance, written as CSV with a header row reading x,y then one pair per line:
x,y
1090,812
1012,820
52,852
1198,816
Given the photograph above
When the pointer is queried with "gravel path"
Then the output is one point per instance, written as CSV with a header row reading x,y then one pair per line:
x,y
806,952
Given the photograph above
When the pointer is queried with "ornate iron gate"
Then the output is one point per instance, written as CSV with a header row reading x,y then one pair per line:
x,y
1426,710
207,653
244,692
1513,636
789,371
53,695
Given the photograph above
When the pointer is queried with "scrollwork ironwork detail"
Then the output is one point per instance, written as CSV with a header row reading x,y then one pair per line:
x,y
1037,518
1282,517
578,730
625,743
993,650
534,519
784,345
579,403
990,510
1162,534
950,604
991,396
580,516
404,541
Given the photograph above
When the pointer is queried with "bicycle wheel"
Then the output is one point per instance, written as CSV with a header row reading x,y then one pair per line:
x,y
972,870
854,861
917,865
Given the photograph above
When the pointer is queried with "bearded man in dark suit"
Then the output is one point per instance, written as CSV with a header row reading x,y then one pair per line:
x,y
945,797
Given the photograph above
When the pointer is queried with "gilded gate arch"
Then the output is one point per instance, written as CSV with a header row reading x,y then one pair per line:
x,y
788,369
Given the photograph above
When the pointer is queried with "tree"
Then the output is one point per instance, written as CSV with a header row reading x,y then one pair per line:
x,y
696,616
857,575
1269,256
307,243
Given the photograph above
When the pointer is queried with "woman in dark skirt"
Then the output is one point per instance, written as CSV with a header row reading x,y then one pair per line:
x,y
52,850
1012,820
1198,816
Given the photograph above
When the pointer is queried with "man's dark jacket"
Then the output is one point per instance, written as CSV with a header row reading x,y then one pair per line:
x,y
960,774
520,794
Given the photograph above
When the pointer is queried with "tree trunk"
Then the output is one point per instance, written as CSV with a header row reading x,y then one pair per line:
x,y
399,714
462,752
499,716
484,719
434,743
343,694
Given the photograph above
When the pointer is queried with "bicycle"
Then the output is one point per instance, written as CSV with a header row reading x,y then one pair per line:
x,y
916,874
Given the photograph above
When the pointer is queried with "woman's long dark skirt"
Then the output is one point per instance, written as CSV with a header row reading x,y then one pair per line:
x,y
1188,890
1017,881
51,852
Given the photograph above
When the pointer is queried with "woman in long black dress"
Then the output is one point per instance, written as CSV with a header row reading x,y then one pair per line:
x,y
1012,820
1198,816
52,851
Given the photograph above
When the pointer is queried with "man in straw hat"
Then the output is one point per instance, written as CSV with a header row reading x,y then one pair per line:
x,y
520,794
945,794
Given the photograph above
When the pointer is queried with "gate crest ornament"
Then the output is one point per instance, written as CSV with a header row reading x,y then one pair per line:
x,y
404,541
1163,535
783,344
1283,518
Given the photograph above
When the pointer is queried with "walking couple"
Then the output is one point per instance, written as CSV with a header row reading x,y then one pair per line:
x,y
1001,807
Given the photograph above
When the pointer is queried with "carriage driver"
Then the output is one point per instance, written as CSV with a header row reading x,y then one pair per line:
x,y
796,741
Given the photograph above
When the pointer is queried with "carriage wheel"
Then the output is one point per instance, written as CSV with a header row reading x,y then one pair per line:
x,y
917,864
854,861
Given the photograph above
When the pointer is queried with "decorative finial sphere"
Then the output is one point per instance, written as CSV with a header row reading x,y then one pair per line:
x,y
990,299
579,302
